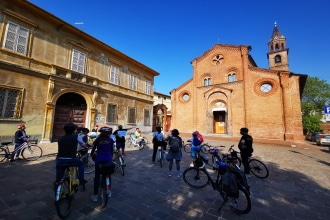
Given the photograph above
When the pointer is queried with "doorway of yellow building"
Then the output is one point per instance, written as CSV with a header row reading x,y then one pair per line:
x,y
219,122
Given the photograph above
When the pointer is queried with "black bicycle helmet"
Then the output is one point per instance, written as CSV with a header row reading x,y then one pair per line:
x,y
85,130
105,129
70,127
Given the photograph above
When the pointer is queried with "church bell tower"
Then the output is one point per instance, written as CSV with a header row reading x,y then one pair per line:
x,y
277,51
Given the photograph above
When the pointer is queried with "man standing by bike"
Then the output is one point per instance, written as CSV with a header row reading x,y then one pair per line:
x,y
103,146
20,138
67,151
120,134
245,146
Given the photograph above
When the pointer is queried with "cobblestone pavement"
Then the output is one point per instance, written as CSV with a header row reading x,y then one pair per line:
x,y
298,187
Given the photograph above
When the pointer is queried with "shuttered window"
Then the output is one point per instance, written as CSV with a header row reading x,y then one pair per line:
x,y
78,61
16,38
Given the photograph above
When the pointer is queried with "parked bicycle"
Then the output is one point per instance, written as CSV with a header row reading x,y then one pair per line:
x,y
118,159
204,147
140,143
65,190
199,177
257,168
106,170
29,150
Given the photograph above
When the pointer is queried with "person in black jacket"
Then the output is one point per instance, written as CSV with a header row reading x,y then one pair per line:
x,y
67,151
245,146
120,134
20,138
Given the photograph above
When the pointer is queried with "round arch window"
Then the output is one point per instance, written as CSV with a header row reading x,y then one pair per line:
x,y
266,87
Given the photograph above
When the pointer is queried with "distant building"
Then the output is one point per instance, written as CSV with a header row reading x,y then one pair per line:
x,y
228,91
162,111
53,73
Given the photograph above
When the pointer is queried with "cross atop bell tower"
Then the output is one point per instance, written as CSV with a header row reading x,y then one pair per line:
x,y
277,51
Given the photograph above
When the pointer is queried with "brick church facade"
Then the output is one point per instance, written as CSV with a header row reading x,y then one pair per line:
x,y
228,91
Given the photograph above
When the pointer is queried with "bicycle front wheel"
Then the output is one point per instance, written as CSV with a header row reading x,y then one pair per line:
x,y
122,165
187,148
196,178
258,168
63,199
32,152
89,164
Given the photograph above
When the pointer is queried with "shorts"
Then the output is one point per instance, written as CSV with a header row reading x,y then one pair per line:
x,y
120,145
193,150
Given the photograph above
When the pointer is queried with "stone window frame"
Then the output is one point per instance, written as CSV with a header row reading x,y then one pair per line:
x,y
12,104
146,117
182,94
131,115
112,113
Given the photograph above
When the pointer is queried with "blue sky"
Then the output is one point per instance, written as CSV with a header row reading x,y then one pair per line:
x,y
166,35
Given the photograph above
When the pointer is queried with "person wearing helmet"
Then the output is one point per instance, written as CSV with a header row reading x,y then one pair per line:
x,y
103,146
245,146
157,140
195,146
20,138
120,134
84,136
67,151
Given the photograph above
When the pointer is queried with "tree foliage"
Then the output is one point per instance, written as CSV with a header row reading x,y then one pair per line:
x,y
316,95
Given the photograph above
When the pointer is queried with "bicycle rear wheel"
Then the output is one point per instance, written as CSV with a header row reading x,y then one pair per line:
x,y
187,148
89,164
32,152
121,165
258,168
241,204
204,148
3,155
103,192
195,177
63,202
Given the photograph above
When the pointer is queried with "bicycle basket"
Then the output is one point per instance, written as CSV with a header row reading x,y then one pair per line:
x,y
213,150
107,168
233,154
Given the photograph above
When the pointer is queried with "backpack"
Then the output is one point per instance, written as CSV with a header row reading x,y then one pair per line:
x,y
196,141
175,144
200,137
229,184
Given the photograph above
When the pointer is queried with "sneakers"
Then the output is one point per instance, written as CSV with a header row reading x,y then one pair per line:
x,y
179,175
169,174
94,198
109,193
191,164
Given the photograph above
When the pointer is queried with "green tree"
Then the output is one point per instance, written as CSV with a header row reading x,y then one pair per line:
x,y
316,95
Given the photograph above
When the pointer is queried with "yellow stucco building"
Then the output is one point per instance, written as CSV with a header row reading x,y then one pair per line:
x,y
52,73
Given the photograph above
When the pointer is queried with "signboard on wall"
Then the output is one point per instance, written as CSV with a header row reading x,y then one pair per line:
x,y
326,109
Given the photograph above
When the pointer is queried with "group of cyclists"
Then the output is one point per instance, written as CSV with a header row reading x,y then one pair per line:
x,y
160,140
76,139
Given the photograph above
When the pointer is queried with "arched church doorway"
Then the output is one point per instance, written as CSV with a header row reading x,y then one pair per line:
x,y
219,118
70,107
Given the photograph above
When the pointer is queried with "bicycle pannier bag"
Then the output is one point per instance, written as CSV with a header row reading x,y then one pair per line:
x,y
175,144
229,184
